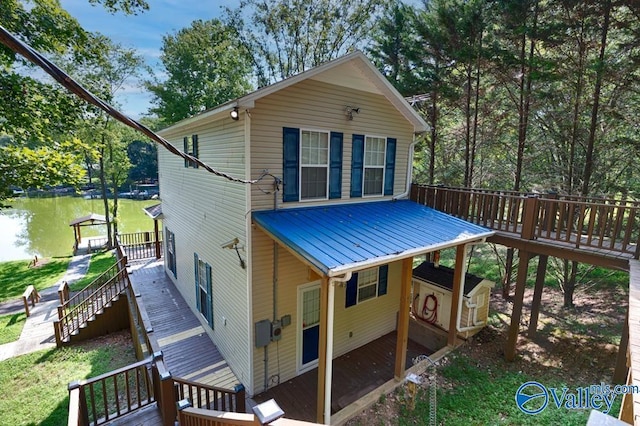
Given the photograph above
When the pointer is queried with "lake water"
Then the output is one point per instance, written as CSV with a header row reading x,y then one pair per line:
x,y
40,226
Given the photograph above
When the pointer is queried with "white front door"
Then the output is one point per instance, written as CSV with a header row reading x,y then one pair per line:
x,y
308,326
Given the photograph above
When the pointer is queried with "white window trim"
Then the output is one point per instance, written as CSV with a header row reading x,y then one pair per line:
x,y
300,167
364,165
377,285
202,279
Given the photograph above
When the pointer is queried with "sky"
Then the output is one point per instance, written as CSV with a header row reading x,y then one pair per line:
x,y
143,33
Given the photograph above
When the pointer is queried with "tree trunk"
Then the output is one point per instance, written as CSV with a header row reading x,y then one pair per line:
x,y
570,283
105,200
434,128
506,280
588,165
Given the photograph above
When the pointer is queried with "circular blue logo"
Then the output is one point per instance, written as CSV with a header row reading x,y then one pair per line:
x,y
532,397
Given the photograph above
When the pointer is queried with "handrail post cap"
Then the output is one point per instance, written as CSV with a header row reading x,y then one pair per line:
x,y
157,355
183,403
74,385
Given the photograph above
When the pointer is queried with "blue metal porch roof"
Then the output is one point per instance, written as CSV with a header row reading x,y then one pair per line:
x,y
347,237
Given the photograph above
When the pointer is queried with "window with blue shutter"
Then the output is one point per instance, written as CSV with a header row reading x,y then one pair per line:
x,y
335,166
185,142
367,284
291,164
390,165
357,165
191,147
195,151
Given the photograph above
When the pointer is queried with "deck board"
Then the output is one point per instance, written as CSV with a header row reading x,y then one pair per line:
x,y
355,374
188,351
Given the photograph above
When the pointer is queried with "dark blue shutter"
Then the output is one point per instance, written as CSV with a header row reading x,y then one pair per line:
x,y
291,163
195,273
390,165
209,297
195,153
383,274
357,165
185,141
335,166
352,291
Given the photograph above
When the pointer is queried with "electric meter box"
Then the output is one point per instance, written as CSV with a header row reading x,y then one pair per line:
x,y
432,298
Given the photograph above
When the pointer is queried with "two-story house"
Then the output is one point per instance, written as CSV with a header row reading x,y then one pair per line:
x,y
313,258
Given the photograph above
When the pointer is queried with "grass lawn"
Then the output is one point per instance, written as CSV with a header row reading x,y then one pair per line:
x,y
16,275
34,386
11,327
485,396
100,262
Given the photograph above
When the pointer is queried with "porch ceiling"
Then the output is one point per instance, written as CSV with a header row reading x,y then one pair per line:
x,y
336,239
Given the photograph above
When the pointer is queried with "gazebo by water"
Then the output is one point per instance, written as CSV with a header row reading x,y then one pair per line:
x,y
91,220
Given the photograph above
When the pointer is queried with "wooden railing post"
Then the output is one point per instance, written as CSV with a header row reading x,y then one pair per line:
x,y
180,406
240,399
529,217
164,390
77,396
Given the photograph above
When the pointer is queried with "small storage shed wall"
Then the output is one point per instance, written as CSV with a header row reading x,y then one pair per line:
x,y
429,279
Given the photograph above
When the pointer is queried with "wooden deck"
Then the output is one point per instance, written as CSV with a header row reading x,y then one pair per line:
x,y
354,375
188,351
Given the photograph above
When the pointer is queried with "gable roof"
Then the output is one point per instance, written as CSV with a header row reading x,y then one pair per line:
x,y
342,238
353,70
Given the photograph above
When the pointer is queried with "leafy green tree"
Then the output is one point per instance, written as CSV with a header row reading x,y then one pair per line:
x,y
205,66
287,37
144,161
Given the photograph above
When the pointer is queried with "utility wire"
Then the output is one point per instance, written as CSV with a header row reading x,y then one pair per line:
x,y
20,47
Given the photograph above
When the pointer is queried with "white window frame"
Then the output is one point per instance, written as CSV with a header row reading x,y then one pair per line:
x,y
202,284
328,166
361,285
365,166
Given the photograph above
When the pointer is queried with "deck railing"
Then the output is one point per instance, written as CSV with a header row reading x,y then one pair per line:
x,y
210,397
141,245
112,395
84,294
77,312
583,222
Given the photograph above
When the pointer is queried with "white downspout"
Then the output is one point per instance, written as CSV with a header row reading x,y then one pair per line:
x,y
405,194
329,355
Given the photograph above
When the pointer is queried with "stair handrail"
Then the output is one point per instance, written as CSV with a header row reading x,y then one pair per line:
x,y
94,285
72,319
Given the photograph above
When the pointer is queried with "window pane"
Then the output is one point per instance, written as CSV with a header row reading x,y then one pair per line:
x,y
314,148
313,183
367,284
311,308
374,151
203,301
373,181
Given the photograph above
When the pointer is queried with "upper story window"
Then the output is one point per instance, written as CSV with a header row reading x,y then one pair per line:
x,y
374,153
373,161
312,165
191,148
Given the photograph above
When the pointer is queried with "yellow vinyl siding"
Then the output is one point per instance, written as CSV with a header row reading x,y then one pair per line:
x,y
366,321
204,211
317,105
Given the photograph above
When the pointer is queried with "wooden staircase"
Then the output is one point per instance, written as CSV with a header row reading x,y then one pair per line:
x,y
86,309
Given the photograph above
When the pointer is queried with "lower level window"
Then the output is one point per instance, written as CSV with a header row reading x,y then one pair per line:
x,y
367,284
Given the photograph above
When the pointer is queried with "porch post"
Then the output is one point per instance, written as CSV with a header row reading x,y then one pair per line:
x,y
403,318
322,352
157,236
458,286
514,328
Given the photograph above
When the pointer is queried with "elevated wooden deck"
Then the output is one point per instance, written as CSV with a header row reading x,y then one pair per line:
x,y
355,374
188,351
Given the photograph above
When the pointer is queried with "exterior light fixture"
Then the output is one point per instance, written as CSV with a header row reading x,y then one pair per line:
x,y
235,115
349,110
268,411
